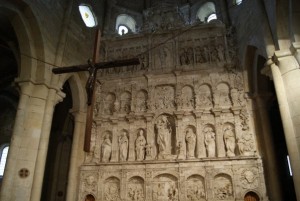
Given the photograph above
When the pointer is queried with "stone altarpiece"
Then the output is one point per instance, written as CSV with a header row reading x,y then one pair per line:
x,y
179,126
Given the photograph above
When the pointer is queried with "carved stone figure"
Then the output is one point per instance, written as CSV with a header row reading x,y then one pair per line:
x,y
229,139
106,148
235,97
108,107
123,145
220,50
223,188
112,193
172,193
140,144
180,151
136,194
141,102
90,183
246,144
164,134
190,138
210,141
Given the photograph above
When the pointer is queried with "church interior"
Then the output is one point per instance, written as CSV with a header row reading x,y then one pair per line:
x,y
209,112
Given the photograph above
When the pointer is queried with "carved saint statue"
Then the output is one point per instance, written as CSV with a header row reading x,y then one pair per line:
x,y
210,141
106,148
229,141
123,145
164,132
190,139
140,144
112,193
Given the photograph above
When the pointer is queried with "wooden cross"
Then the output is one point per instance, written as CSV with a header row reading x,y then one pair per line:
x,y
92,68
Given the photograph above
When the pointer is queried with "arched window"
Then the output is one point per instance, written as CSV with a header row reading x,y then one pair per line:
x,y
125,24
207,12
237,2
3,156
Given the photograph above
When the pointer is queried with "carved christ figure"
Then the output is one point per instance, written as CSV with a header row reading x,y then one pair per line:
x,y
164,132
140,144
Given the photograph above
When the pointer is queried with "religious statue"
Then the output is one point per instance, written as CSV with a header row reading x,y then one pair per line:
x,y
140,144
173,193
106,148
112,193
164,134
190,139
123,145
210,141
229,141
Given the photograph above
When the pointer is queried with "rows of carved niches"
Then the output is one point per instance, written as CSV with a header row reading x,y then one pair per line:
x,y
204,92
194,50
172,137
164,182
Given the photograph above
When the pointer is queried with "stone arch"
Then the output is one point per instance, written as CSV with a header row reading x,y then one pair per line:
x,y
28,33
136,188
141,101
187,96
221,95
108,106
127,21
191,141
223,188
125,102
165,136
195,187
204,96
229,137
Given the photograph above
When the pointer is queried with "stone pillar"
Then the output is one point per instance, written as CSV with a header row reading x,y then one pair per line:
x,y
285,74
267,142
52,99
25,141
180,135
151,136
219,134
77,146
115,144
132,137
201,152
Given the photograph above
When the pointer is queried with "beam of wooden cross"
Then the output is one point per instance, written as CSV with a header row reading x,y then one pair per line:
x,y
92,68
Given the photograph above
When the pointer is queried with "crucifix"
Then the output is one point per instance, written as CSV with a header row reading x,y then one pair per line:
x,y
92,68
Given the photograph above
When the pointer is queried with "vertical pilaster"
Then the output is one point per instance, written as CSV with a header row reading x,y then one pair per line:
x,y
132,137
151,135
219,134
79,120
115,144
200,136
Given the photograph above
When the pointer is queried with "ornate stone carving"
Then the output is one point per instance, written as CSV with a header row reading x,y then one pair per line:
x,y
112,190
204,97
180,151
187,99
195,190
246,144
164,136
210,141
108,104
125,103
229,139
136,189
123,146
165,97
140,146
141,101
190,138
249,178
106,147
165,188
223,187
93,155
90,183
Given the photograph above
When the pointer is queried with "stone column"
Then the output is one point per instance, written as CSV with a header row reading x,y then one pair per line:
x,y
267,142
201,152
285,74
132,137
180,136
52,99
77,146
151,135
25,141
219,134
115,144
